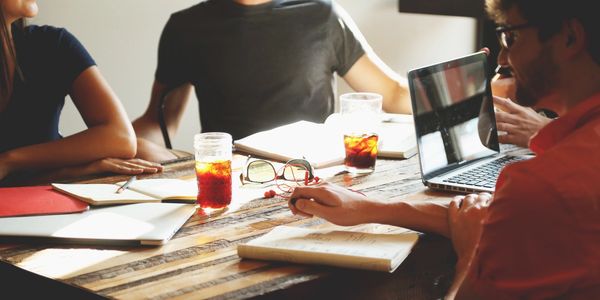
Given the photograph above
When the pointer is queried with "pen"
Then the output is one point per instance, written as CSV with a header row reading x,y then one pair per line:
x,y
126,184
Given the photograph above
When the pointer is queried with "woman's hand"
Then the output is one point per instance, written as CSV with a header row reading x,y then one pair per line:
x,y
132,166
332,202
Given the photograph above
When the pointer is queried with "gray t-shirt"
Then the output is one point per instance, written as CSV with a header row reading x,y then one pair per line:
x,y
257,67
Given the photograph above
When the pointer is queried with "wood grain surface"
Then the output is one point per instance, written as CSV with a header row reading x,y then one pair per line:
x,y
200,262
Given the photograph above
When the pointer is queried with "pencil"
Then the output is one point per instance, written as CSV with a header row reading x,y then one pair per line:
x,y
126,184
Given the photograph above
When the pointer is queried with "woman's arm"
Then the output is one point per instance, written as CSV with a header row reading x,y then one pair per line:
x,y
109,132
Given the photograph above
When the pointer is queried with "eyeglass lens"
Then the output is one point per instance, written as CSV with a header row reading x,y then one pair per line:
x,y
302,166
293,172
260,171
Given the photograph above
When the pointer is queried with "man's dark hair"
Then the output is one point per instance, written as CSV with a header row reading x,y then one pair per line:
x,y
550,15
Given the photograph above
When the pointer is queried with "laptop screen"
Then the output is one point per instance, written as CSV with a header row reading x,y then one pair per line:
x,y
454,113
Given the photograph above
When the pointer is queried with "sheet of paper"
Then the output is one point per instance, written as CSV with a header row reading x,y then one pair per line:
x,y
165,188
100,192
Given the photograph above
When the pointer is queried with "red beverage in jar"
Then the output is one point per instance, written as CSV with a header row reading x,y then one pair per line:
x,y
214,183
361,152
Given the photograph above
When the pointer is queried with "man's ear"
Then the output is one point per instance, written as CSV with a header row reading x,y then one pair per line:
x,y
570,39
575,38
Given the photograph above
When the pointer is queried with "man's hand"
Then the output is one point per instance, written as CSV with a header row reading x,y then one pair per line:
x,y
334,203
465,217
520,123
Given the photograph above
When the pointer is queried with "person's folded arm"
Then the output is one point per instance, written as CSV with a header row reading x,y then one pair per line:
x,y
150,141
147,126
109,132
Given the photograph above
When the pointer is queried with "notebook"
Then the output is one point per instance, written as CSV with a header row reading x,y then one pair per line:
x,y
322,143
383,250
143,190
37,200
132,224
455,125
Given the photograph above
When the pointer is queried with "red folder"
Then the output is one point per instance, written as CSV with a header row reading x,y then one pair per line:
x,y
37,200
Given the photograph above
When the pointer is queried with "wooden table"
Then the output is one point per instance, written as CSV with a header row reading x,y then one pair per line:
x,y
201,261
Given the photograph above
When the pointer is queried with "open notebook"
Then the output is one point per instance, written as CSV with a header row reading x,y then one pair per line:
x,y
322,143
143,190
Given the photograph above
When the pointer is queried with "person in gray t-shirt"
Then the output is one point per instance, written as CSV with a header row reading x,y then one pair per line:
x,y
258,64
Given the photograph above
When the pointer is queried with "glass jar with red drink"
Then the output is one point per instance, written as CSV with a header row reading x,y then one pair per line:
x,y
213,169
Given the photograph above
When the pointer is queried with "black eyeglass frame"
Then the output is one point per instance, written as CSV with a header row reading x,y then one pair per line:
x,y
293,162
505,36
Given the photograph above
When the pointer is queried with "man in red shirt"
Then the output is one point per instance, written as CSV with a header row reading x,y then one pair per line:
x,y
538,237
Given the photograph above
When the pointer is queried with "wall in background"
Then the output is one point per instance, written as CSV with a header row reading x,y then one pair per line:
x,y
122,36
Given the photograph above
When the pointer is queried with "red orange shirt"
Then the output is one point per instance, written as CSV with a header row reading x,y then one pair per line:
x,y
541,238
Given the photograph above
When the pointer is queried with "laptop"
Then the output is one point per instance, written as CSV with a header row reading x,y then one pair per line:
x,y
457,139
134,225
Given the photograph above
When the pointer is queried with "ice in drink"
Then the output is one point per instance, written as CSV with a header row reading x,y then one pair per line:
x,y
214,183
361,152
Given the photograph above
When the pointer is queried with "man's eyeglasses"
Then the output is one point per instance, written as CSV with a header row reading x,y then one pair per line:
x,y
262,171
507,34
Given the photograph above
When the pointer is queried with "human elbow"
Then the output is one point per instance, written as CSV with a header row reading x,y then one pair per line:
x,y
124,145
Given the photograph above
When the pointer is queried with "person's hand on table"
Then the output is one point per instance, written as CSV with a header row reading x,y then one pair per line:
x,y
332,202
465,222
134,166
118,166
520,123
465,216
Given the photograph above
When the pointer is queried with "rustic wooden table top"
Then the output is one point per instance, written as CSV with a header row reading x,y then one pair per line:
x,y
201,261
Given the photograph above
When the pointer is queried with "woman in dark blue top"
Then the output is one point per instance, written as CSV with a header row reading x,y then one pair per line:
x,y
39,67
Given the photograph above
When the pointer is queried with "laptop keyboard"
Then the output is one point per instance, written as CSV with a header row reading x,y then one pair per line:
x,y
484,175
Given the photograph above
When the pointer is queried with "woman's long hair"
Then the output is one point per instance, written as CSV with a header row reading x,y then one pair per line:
x,y
8,53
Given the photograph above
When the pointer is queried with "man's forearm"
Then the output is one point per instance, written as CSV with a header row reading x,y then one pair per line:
x,y
424,217
175,100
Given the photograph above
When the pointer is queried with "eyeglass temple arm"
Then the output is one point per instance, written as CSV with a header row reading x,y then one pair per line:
x,y
162,122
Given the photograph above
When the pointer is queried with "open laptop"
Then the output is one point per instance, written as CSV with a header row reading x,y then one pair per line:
x,y
455,125
133,224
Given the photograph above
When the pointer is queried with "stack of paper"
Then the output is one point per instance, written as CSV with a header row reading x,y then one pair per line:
x,y
322,144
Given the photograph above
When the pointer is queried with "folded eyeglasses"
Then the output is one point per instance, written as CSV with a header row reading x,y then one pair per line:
x,y
293,173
